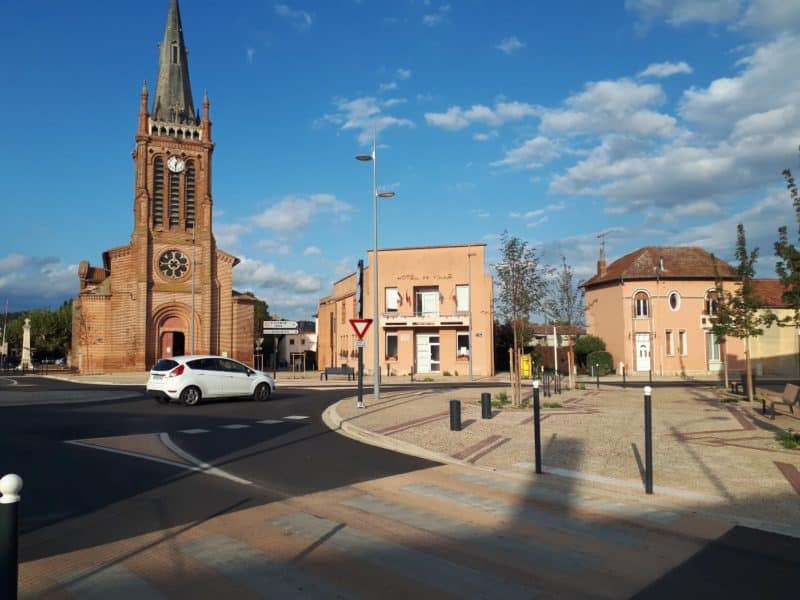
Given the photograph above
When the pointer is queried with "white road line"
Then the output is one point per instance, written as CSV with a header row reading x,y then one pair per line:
x,y
235,426
193,431
270,421
202,466
295,418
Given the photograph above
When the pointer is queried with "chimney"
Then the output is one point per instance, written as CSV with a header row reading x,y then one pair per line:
x,y
601,262
661,263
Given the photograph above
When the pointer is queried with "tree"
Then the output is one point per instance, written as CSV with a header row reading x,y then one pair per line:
x,y
585,345
565,307
738,310
788,265
521,290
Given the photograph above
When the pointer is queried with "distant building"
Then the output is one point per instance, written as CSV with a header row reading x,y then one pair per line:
x,y
169,291
430,298
304,342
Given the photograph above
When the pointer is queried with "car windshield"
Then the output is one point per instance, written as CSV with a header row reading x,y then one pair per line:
x,y
165,364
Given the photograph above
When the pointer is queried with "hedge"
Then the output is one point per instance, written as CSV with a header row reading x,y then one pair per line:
x,y
603,360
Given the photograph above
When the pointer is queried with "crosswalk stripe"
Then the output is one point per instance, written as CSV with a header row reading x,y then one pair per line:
x,y
521,513
114,581
193,431
270,421
543,553
255,571
235,426
295,418
451,578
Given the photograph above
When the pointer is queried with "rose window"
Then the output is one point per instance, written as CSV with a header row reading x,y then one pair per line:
x,y
173,264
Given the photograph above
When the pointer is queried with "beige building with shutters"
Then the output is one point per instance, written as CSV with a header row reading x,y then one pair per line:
x,y
430,300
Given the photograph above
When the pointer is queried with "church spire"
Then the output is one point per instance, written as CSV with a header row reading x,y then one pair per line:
x,y
173,100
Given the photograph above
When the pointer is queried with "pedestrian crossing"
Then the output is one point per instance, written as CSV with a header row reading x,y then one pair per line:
x,y
443,532
234,426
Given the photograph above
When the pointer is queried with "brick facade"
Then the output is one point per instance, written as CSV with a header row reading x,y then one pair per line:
x,y
139,305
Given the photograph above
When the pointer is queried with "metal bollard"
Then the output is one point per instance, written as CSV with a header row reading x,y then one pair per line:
x,y
486,405
455,415
648,440
597,373
537,429
10,487
623,377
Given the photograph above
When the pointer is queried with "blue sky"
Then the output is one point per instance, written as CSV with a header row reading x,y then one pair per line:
x,y
657,122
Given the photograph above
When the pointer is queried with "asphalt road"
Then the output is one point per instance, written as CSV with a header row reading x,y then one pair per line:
x,y
63,480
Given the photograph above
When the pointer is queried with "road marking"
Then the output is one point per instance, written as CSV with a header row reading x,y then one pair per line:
x,y
199,464
193,431
252,569
270,421
295,418
236,426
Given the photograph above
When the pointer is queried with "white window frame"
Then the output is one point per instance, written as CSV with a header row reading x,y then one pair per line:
x,y
462,298
392,297
670,342
396,345
639,304
683,342
462,334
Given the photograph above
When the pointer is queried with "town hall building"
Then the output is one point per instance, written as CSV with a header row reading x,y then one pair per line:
x,y
169,291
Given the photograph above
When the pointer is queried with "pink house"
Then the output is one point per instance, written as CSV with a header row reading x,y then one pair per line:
x,y
654,309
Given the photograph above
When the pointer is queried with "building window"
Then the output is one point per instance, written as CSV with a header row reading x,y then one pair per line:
x,y
674,300
714,354
291,342
158,191
174,54
669,342
641,305
462,344
391,299
189,193
343,313
174,199
462,298
303,342
711,303
683,349
427,301
391,346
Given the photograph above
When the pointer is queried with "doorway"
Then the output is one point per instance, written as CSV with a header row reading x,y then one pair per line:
x,y
643,352
173,343
428,360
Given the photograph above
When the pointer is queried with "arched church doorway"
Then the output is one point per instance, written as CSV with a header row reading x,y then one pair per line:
x,y
172,337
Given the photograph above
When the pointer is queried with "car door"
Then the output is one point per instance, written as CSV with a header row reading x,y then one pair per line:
x,y
206,375
237,378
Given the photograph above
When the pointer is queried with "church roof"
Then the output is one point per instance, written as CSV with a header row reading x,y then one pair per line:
x,y
173,100
664,262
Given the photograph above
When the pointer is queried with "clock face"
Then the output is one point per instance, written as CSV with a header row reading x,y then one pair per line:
x,y
175,164
173,264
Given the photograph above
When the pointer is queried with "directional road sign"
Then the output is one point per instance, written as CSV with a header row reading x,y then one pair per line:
x,y
360,326
280,324
281,331
361,343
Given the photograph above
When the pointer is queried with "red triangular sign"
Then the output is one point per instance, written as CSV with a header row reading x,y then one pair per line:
x,y
360,326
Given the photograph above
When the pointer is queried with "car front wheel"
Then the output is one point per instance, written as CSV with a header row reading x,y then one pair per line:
x,y
190,396
262,392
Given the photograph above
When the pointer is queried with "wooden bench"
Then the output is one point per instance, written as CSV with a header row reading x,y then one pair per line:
x,y
790,397
343,370
741,385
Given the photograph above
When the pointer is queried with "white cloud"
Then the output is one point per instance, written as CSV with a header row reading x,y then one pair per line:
x,y
251,273
436,18
666,69
772,14
274,246
485,137
386,87
403,74
456,118
312,251
300,19
533,153
250,54
365,115
294,213
510,45
36,282
394,102
229,234
680,12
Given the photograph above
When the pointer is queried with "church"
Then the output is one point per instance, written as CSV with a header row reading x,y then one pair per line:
x,y
168,292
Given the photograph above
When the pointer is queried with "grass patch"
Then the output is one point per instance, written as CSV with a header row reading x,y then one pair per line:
x,y
501,400
551,405
427,379
730,400
789,439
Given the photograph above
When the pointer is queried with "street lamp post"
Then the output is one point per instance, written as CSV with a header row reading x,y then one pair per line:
x,y
469,314
376,316
194,266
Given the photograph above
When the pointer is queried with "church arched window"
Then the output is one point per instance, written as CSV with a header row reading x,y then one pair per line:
x,y
189,191
174,199
158,191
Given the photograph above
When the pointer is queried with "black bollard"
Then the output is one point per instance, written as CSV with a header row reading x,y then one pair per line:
x,y
597,373
486,405
455,415
648,440
537,430
10,487
650,376
623,377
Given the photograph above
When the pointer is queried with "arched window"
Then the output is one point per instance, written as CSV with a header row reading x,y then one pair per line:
x,y
641,305
158,191
711,301
189,192
674,300
174,199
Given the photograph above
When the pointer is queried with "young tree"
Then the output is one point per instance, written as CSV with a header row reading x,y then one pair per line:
x,y
788,265
738,310
521,289
565,307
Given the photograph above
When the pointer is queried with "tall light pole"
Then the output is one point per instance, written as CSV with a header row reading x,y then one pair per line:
x,y
194,266
376,316
470,254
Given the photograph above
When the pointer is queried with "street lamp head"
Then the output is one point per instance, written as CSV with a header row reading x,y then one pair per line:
x,y
386,195
364,157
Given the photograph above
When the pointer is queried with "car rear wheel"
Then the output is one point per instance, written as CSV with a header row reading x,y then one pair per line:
x,y
190,395
262,392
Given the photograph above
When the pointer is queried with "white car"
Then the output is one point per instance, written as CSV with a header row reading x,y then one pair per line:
x,y
192,378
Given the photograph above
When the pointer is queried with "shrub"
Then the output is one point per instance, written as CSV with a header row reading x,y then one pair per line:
x,y
600,362
446,374
789,439
585,345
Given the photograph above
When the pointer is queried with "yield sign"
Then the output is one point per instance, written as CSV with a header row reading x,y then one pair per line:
x,y
360,326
